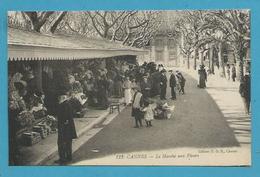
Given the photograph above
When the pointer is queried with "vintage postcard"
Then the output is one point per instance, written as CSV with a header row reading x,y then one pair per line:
x,y
138,88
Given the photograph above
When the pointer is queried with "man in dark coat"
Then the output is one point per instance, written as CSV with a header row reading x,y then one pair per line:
x,y
181,81
163,84
173,85
102,92
155,83
202,77
145,87
66,129
244,90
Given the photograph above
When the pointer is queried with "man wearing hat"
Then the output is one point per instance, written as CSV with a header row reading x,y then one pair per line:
x,y
145,86
173,85
66,129
155,84
163,84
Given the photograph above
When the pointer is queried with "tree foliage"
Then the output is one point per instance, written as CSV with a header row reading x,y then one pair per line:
x,y
200,28
40,21
133,28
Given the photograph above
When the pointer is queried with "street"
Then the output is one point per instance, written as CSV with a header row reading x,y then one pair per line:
x,y
197,123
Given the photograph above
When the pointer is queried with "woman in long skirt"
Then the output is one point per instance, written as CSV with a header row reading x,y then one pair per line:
x,y
127,85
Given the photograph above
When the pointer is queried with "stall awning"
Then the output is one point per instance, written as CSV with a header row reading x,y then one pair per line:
x,y
26,45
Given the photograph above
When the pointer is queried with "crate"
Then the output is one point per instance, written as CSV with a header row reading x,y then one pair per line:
x,y
45,127
41,130
31,138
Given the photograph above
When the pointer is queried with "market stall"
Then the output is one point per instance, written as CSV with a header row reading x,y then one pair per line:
x,y
37,63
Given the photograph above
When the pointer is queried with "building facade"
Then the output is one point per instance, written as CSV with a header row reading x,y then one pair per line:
x,y
164,50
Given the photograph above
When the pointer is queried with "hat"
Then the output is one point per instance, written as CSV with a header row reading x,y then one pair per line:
x,y
163,71
20,84
145,75
63,98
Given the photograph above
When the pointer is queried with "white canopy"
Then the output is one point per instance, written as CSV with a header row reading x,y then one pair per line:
x,y
26,45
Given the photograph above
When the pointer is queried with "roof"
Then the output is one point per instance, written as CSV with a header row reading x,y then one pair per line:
x,y
27,45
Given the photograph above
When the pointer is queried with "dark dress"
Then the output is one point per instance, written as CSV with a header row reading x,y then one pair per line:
x,y
202,78
163,86
173,85
145,88
155,84
66,130
118,90
102,93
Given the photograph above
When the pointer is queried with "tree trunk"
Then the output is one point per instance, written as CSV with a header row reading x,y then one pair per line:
x,y
211,60
195,59
240,65
57,21
201,57
38,22
36,26
239,59
188,61
241,69
221,61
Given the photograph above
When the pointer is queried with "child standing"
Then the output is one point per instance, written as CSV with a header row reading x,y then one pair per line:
x,y
148,113
136,107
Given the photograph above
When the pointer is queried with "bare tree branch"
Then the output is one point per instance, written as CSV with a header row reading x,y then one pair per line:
x,y
57,21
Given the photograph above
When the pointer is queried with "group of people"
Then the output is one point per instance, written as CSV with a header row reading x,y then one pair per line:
x,y
231,71
150,88
244,87
141,87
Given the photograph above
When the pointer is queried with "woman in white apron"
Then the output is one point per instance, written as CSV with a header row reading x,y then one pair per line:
x,y
127,85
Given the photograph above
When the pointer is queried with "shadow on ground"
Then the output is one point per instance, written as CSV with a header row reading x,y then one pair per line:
x,y
197,123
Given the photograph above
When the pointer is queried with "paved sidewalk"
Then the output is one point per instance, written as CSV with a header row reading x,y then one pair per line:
x,y
196,124
227,97
47,148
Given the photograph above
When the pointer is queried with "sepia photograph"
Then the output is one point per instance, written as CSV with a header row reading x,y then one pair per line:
x,y
129,88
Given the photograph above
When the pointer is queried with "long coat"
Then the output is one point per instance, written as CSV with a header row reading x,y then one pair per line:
x,y
202,78
172,81
102,93
181,79
163,81
145,88
66,126
155,82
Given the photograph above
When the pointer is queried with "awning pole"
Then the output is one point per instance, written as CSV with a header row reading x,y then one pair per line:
x,y
39,75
